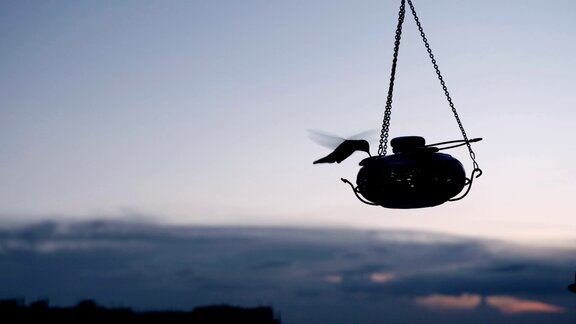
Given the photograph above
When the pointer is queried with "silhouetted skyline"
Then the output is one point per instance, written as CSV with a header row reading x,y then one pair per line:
x,y
339,276
88,311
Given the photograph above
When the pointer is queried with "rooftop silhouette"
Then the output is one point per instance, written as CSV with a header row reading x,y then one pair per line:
x,y
88,310
572,286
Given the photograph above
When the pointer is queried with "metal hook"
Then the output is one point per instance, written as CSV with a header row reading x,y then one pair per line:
x,y
468,183
355,190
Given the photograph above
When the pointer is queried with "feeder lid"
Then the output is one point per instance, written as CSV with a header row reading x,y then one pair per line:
x,y
406,143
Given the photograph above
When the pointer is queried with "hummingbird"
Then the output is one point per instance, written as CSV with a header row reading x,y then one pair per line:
x,y
345,148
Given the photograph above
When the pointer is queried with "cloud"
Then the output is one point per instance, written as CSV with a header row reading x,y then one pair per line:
x,y
445,302
511,305
382,277
507,305
325,275
333,279
51,237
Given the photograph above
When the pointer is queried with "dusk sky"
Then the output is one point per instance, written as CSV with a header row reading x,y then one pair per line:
x,y
196,113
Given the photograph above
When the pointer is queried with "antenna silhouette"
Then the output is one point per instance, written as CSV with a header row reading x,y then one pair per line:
x,y
572,286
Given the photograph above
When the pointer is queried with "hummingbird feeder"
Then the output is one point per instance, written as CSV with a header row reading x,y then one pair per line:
x,y
416,175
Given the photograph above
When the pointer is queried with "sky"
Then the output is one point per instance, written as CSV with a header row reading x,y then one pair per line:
x,y
308,276
197,114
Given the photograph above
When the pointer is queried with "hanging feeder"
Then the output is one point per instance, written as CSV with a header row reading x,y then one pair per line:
x,y
416,175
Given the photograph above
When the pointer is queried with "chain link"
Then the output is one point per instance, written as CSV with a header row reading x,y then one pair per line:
x,y
386,122
433,59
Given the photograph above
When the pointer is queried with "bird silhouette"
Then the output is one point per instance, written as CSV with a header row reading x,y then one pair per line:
x,y
344,150
343,147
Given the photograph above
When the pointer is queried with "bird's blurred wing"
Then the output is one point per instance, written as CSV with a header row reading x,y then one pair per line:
x,y
324,139
369,135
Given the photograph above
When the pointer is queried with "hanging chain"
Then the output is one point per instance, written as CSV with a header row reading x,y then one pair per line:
x,y
386,122
429,50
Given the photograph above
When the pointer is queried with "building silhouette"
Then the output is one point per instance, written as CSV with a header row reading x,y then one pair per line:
x,y
88,311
